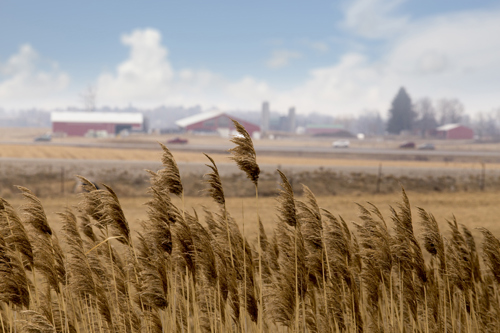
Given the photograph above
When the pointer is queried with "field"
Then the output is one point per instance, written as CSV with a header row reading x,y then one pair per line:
x,y
50,170
472,209
170,261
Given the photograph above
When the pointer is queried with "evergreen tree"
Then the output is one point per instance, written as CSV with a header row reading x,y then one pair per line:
x,y
401,114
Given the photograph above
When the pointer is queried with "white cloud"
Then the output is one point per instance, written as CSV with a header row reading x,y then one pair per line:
x,y
144,76
25,83
282,58
339,89
452,56
446,56
373,18
147,78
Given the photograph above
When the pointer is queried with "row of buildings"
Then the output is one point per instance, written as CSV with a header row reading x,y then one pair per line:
x,y
212,122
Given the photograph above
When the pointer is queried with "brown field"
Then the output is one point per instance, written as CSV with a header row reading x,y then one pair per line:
x,y
85,153
471,209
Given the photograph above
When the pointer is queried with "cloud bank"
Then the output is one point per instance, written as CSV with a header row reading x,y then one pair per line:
x,y
23,79
443,56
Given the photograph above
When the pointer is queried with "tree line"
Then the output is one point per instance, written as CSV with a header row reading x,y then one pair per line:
x,y
425,115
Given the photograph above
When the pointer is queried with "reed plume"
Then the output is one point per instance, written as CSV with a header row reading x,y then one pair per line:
x,y
491,253
47,254
80,274
32,321
14,285
169,177
104,206
86,228
432,238
246,159
153,275
345,265
459,257
14,233
291,287
312,229
375,242
215,190
205,256
471,244
35,214
244,153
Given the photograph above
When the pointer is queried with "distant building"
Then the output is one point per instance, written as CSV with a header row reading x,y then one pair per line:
x,y
214,122
265,119
327,130
82,123
291,120
454,132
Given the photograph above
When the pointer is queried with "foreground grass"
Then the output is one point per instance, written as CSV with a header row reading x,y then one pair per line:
x,y
178,264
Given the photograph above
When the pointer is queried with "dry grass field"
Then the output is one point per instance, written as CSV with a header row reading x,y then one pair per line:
x,y
84,153
472,209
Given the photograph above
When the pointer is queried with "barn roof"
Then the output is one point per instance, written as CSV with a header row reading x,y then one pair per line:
x,y
97,117
448,127
198,118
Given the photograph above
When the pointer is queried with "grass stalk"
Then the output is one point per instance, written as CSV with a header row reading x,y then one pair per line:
x,y
244,270
261,283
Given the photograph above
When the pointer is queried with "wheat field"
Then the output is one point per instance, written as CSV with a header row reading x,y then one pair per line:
x,y
294,265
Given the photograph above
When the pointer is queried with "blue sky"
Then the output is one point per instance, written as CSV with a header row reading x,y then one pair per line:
x,y
332,57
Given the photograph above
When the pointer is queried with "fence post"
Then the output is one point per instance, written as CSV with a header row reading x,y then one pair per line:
x,y
379,177
483,175
62,180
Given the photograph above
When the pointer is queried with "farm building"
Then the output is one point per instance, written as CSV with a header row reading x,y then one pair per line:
x,y
454,132
83,123
214,122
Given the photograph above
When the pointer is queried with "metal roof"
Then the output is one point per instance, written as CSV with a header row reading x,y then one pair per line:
x,y
184,122
448,127
97,117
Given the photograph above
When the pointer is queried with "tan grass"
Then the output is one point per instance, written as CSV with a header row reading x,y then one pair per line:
x,y
470,208
85,153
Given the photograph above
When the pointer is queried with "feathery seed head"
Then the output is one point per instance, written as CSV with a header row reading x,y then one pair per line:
x,y
169,177
244,153
216,191
35,214
286,200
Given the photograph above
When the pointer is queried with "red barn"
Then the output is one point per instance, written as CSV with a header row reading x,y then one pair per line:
x,y
454,132
214,122
81,123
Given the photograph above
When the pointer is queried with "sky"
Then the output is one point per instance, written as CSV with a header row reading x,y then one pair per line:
x,y
333,57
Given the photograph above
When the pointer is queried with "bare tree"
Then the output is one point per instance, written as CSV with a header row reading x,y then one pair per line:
x,y
426,114
88,97
486,124
370,123
450,111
